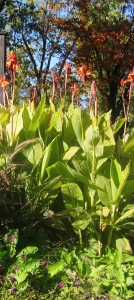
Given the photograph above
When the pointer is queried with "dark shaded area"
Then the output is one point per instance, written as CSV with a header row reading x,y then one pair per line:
x,y
2,3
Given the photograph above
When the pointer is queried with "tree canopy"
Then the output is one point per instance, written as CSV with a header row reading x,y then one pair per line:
x,y
33,35
96,33
104,32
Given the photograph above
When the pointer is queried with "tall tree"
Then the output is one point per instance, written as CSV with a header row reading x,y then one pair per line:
x,y
32,34
104,32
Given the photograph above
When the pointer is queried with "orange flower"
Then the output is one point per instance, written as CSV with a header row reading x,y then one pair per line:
x,y
89,73
75,89
15,67
131,77
122,83
3,82
84,67
83,72
67,68
12,63
12,57
8,64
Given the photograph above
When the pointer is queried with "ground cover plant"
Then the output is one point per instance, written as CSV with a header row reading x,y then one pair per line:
x,y
66,196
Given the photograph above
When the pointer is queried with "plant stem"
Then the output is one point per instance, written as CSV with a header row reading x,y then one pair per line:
x,y
99,242
12,113
86,206
124,133
93,180
80,238
111,225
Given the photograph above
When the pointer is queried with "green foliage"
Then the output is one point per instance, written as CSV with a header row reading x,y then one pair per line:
x,y
60,186
32,32
69,273
95,184
92,173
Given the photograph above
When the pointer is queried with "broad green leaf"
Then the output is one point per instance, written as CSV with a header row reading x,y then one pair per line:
x,y
28,250
105,129
67,130
116,177
44,124
60,169
118,257
70,153
99,141
96,271
82,166
65,147
128,258
16,123
130,282
79,177
34,153
127,205
100,162
106,134
108,142
93,144
56,121
72,197
53,184
116,127
128,188
104,190
104,197
80,122
104,120
35,120
21,275
70,110
51,155
129,145
29,266
81,224
123,244
26,118
108,150
56,268
128,225
118,180
126,215
104,211
4,115
22,146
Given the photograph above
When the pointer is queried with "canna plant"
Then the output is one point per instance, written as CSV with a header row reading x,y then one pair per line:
x,y
75,154
95,182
